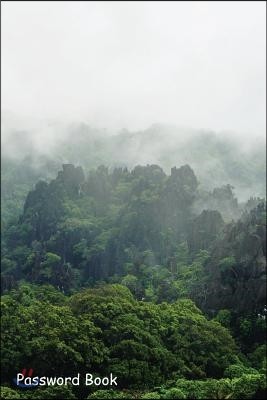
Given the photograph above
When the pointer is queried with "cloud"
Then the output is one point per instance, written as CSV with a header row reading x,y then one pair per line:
x,y
130,64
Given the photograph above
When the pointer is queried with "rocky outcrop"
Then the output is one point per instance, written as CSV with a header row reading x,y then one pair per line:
x,y
236,272
204,230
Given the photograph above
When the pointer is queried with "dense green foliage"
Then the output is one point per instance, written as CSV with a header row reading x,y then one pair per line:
x,y
106,330
138,273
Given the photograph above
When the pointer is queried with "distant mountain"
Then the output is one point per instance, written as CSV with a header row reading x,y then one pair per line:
x,y
217,159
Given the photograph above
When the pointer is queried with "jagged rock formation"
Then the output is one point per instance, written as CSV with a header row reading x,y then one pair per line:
x,y
236,272
78,229
204,230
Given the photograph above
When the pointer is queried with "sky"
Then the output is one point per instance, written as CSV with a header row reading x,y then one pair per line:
x,y
133,64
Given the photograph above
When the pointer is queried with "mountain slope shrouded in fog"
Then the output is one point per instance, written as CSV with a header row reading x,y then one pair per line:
x,y
214,157
117,258
79,229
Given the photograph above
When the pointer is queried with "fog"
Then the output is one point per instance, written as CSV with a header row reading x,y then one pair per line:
x,y
128,65
128,83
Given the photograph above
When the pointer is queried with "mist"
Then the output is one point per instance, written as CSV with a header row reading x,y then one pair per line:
x,y
116,65
136,83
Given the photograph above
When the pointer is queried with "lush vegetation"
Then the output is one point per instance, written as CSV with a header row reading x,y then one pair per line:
x,y
171,350
135,272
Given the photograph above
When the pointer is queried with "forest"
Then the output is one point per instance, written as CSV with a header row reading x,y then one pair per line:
x,y
143,271
133,200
